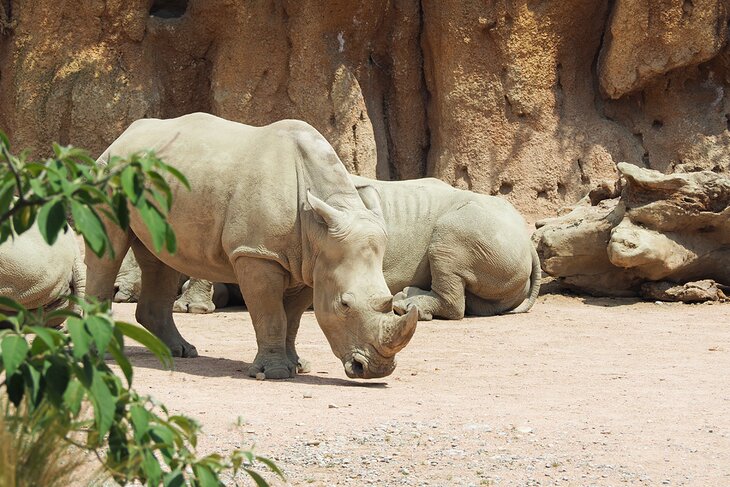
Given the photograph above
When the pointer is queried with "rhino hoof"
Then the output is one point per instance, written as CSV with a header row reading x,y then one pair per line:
x,y
303,366
184,350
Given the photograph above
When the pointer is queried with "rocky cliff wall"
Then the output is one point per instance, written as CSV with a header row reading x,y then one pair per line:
x,y
532,100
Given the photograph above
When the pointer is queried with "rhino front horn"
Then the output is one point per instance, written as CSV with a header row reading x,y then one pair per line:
x,y
397,333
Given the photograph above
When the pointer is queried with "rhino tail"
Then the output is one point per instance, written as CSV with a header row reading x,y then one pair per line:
x,y
535,280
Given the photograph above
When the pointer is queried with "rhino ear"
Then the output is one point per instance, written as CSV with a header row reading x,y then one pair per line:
x,y
371,198
329,214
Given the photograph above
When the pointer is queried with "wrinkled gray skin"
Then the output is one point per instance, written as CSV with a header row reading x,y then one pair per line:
x,y
38,275
449,252
283,220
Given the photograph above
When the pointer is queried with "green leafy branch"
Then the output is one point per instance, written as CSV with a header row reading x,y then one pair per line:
x,y
54,373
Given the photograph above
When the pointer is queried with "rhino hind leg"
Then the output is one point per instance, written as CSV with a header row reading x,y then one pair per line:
x,y
263,284
154,309
295,304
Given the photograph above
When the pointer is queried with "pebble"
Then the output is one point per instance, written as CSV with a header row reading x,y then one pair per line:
x,y
260,376
333,406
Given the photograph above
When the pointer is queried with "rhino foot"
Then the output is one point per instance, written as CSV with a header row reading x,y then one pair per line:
x,y
184,306
184,350
407,299
303,366
273,367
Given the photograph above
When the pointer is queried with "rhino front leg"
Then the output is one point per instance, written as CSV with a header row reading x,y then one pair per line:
x,y
263,283
446,299
295,304
154,309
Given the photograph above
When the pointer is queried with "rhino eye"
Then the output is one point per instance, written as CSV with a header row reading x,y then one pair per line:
x,y
346,300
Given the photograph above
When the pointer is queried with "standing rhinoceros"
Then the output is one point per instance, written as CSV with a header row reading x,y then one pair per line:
x,y
449,251
271,208
38,275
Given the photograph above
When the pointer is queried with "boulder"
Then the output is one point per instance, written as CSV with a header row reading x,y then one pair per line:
x,y
673,228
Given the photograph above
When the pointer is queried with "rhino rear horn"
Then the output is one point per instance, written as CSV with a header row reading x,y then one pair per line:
x,y
395,335
370,198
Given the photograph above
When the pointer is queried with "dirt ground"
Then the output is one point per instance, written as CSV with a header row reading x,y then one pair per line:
x,y
580,391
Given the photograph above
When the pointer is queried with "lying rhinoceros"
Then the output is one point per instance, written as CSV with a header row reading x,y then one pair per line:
x,y
38,275
272,209
449,251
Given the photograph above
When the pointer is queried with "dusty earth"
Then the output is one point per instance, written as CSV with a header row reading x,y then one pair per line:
x,y
580,391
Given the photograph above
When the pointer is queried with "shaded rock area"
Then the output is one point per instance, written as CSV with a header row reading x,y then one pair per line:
x,y
651,228
534,101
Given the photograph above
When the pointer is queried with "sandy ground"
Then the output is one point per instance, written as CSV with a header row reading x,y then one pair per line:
x,y
577,392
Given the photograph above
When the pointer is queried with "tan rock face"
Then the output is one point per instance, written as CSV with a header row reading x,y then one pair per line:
x,y
535,101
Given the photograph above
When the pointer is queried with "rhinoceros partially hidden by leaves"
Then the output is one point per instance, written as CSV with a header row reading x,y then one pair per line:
x,y
641,237
272,209
449,252
38,275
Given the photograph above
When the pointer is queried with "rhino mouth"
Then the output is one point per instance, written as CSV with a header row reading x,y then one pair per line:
x,y
359,366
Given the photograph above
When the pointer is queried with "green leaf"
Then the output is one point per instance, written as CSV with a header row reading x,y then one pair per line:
x,y
23,219
32,379
14,348
11,304
178,175
122,361
57,379
49,336
140,421
174,479
155,222
73,396
205,477
148,340
51,219
37,186
15,385
121,210
88,223
101,331
256,477
272,466
103,404
132,184
79,336
151,468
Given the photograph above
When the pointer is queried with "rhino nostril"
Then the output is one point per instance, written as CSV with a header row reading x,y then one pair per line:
x,y
358,369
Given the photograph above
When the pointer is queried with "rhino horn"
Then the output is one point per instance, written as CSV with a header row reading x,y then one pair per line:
x,y
370,198
329,214
397,332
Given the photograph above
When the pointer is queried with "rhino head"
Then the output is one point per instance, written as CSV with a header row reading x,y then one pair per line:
x,y
352,302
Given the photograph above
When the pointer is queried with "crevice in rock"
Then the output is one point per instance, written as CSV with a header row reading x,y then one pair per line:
x,y
168,9
584,178
506,187
6,16
687,8
463,177
425,93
